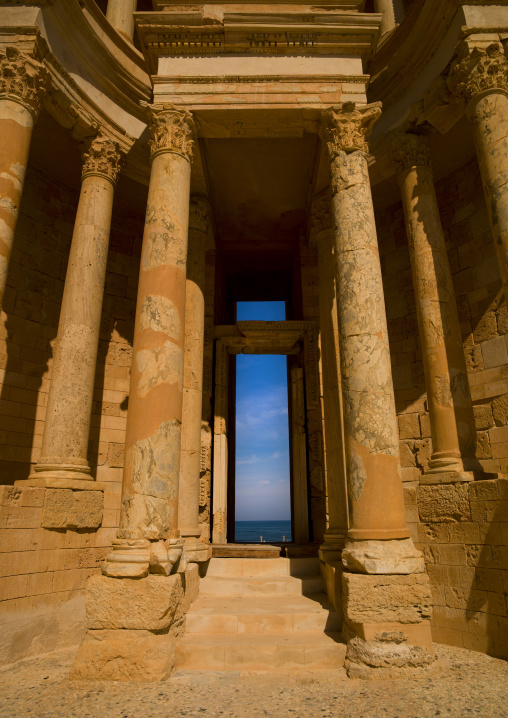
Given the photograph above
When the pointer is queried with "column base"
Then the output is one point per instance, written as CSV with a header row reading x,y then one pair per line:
x,y
56,482
332,546
456,477
136,558
133,627
387,626
394,556
61,471
196,550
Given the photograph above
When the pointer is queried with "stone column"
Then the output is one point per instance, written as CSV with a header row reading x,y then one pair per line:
x,y
190,461
480,77
23,83
450,408
393,14
66,429
322,235
385,636
148,534
120,14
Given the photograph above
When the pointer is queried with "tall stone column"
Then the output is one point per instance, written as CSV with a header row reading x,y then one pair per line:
x,y
23,83
322,235
190,460
67,425
389,636
450,408
120,14
148,534
480,77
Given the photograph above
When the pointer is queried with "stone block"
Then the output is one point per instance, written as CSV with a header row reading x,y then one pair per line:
x,y
126,655
378,599
483,417
484,490
444,503
149,603
409,426
500,410
494,353
67,509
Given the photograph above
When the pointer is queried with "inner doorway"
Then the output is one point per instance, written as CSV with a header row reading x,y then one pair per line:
x,y
262,486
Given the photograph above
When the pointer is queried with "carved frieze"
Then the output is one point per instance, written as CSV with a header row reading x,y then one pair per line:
x,y
410,150
478,69
172,130
23,79
103,158
348,128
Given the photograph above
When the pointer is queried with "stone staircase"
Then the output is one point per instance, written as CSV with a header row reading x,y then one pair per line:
x,y
261,615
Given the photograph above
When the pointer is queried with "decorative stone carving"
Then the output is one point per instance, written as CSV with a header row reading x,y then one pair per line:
x,y
478,70
23,79
103,158
199,213
348,128
410,150
172,130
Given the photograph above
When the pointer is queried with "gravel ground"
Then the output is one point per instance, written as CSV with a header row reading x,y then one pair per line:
x,y
470,684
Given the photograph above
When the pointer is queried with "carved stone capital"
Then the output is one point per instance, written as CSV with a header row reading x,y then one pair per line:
x,y
103,158
172,130
23,79
348,128
478,69
199,213
320,216
410,150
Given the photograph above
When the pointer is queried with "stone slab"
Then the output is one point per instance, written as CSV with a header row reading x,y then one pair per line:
x,y
377,599
152,603
68,509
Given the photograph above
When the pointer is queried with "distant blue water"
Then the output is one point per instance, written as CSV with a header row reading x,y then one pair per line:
x,y
251,531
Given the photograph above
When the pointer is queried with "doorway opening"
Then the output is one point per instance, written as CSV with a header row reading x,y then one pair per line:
x,y
262,459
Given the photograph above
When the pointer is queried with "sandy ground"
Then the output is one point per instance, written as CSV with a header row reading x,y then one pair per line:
x,y
470,684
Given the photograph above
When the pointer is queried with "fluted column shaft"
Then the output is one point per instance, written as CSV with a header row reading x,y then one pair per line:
x,y
450,409
376,503
23,82
480,77
190,461
323,235
67,425
120,14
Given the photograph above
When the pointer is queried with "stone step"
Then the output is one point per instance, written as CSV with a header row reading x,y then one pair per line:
x,y
262,567
250,586
299,652
294,614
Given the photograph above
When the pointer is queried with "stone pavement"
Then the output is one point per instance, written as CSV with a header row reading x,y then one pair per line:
x,y
470,684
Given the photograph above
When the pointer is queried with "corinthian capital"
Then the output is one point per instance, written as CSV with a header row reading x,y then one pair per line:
x,y
199,213
347,128
22,79
410,150
172,130
478,69
103,158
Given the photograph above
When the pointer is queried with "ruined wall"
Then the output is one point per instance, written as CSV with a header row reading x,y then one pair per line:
x,y
482,313
462,530
43,571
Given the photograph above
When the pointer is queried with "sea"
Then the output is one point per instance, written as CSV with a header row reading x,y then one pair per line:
x,y
262,531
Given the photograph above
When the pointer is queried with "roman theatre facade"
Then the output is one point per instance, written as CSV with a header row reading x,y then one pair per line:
x,y
160,162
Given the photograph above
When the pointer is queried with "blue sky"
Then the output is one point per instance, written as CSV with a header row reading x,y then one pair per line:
x,y
262,432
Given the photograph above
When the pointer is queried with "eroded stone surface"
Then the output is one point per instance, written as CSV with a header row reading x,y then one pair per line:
x,y
68,509
448,503
383,557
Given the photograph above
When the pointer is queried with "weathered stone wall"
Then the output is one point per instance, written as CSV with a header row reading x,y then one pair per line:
x,y
463,533
43,571
483,320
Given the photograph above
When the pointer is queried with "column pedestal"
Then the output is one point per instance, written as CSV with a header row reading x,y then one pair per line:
x,y
378,538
